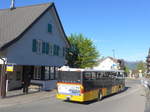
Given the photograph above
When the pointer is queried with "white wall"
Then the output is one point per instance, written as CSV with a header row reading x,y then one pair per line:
x,y
46,85
107,64
21,52
1,61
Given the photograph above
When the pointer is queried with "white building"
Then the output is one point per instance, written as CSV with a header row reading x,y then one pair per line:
x,y
108,63
32,39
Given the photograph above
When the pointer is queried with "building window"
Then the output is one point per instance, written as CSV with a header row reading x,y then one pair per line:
x,y
56,50
52,73
47,48
39,46
50,28
56,72
50,49
47,73
43,47
37,73
18,75
18,70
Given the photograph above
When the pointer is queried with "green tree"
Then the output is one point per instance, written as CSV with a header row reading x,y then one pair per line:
x,y
82,52
141,66
126,70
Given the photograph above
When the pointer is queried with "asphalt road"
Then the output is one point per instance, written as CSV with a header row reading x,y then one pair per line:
x,y
131,100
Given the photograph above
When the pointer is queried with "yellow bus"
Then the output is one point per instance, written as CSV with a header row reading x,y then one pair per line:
x,y
87,85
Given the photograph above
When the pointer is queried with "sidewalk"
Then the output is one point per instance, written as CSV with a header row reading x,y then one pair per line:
x,y
146,85
147,104
22,99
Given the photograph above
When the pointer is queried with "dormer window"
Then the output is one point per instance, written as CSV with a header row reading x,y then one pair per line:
x,y
50,28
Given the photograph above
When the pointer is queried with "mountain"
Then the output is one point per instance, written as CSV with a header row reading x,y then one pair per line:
x,y
131,64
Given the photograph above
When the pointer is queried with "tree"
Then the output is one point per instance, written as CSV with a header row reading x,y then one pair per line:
x,y
141,66
126,70
82,52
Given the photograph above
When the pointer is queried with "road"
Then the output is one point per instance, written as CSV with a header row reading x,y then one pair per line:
x,y
131,100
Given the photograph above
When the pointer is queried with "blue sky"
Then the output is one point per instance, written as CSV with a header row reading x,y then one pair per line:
x,y
122,25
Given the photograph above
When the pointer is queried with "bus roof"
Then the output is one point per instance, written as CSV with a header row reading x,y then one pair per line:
x,y
88,70
93,70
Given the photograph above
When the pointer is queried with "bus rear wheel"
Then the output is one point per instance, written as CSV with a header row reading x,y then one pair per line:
x,y
100,96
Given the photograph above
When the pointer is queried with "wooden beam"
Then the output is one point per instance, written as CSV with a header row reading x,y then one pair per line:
x,y
3,81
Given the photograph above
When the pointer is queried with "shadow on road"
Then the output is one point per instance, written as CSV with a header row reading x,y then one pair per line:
x,y
20,94
94,101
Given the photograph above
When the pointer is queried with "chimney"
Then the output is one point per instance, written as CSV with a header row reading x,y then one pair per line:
x,y
12,4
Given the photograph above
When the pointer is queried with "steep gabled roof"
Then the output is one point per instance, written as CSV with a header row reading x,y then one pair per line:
x,y
14,23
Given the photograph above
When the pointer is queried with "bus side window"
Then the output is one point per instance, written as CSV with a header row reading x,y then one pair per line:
x,y
93,75
87,75
110,74
120,74
101,74
98,75
106,74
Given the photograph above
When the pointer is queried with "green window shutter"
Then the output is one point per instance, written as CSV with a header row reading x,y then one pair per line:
x,y
55,50
34,46
50,49
47,48
49,28
43,47
58,49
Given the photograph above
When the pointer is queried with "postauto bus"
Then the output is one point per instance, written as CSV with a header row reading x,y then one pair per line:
x,y
87,85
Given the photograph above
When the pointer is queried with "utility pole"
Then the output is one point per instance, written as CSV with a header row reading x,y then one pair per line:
x,y
3,79
113,50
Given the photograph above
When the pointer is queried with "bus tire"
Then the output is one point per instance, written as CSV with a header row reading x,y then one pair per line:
x,y
100,96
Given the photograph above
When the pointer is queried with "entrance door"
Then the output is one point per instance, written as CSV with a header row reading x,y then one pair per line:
x,y
27,73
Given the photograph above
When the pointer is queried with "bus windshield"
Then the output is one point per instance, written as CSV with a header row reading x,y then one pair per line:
x,y
69,76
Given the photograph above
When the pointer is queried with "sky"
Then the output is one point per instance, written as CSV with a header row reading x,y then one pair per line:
x,y
122,26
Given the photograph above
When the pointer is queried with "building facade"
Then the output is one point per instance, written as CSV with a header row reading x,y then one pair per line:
x,y
110,63
34,44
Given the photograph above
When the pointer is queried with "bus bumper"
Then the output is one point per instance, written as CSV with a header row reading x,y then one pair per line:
x,y
70,97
